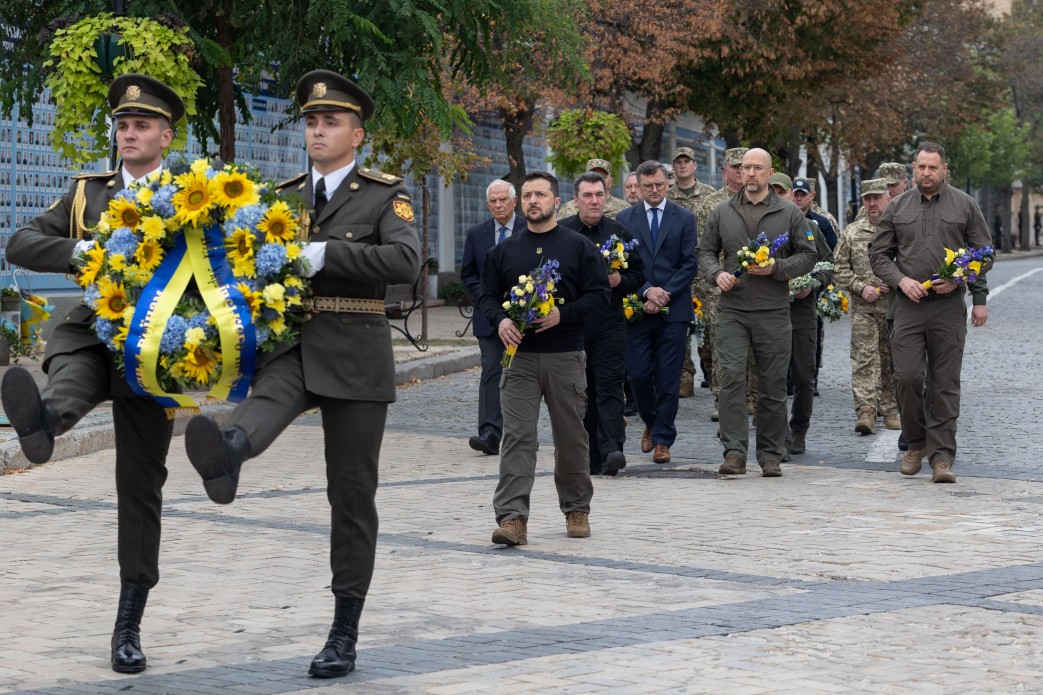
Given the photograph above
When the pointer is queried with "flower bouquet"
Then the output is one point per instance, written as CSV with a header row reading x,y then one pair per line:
x,y
760,252
531,300
698,327
799,284
961,266
615,251
832,303
225,231
634,308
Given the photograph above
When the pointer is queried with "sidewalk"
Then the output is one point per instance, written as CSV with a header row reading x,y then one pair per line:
x,y
447,353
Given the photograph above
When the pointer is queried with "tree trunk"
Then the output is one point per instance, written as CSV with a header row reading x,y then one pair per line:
x,y
1005,206
1025,216
650,144
516,127
225,93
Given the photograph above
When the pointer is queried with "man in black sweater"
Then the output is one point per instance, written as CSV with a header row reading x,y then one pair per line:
x,y
549,363
605,341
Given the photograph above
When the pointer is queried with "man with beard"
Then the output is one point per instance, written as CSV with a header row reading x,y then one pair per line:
x,y
549,363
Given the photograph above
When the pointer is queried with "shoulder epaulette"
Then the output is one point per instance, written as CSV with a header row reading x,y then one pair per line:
x,y
379,177
96,175
298,180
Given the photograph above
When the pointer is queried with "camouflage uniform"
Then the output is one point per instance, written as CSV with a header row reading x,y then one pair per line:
x,y
871,383
613,206
700,290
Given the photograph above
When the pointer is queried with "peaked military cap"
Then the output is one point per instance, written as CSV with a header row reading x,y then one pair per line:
x,y
780,179
683,152
140,95
893,172
602,164
875,186
325,90
733,156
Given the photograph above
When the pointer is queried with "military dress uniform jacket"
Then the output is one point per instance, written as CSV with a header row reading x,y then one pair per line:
x,y
46,244
371,243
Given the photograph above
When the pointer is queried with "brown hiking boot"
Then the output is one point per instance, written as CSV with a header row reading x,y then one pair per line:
x,y
687,388
866,420
892,421
771,469
912,461
943,473
577,525
733,465
511,532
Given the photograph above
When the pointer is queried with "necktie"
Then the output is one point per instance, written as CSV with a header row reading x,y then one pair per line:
x,y
654,227
320,197
502,235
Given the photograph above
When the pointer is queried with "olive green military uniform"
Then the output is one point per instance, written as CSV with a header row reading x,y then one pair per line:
x,y
82,374
692,201
344,363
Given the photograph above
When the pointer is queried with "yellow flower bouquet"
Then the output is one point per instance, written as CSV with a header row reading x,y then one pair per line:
x,y
832,303
634,308
531,300
224,231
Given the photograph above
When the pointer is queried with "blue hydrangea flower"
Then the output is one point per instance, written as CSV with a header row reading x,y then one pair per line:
x,y
247,216
202,320
104,329
163,201
122,242
91,295
263,334
270,260
173,335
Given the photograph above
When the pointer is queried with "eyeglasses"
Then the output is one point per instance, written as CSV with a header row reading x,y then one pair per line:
x,y
654,186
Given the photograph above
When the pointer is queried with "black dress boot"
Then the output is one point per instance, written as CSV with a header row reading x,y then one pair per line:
x,y
217,455
35,423
337,658
126,637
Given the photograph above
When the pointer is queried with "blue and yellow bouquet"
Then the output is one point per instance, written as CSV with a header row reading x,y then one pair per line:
x,y
697,327
616,252
531,300
634,308
808,281
759,252
961,266
832,303
225,231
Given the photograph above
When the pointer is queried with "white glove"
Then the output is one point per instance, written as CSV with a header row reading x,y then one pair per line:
x,y
313,257
82,247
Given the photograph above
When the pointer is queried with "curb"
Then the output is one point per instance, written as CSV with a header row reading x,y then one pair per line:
x,y
88,440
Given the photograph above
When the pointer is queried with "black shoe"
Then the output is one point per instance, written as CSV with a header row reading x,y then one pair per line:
x,y
816,390
704,384
486,445
337,657
126,637
630,409
797,446
33,421
217,456
614,463
902,444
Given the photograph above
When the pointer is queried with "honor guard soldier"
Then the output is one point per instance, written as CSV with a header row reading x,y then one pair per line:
x,y
80,368
362,238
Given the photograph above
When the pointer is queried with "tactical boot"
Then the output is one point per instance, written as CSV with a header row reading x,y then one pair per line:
x,y
866,420
511,532
35,422
771,469
943,473
337,657
217,456
892,421
577,525
797,446
126,637
687,388
912,461
733,465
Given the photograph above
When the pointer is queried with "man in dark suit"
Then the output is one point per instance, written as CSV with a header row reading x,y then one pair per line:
x,y
80,368
361,239
655,344
501,198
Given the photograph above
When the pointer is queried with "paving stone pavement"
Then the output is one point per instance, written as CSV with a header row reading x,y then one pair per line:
x,y
842,576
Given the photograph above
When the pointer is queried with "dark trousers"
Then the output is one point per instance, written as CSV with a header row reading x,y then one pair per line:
x,y
490,419
928,339
76,384
352,433
655,352
606,352
803,372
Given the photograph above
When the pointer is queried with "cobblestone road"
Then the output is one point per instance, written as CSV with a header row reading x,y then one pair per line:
x,y
841,576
